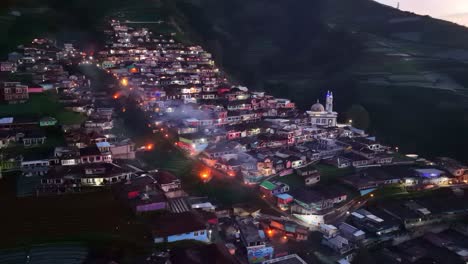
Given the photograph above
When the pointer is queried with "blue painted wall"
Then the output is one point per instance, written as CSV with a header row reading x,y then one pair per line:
x,y
190,236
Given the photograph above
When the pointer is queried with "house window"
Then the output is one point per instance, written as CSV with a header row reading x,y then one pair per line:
x,y
202,233
195,233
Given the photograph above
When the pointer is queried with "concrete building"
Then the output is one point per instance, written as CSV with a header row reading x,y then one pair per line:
x,y
177,227
323,116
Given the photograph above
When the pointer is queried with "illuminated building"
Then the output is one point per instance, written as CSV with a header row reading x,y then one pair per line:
x,y
323,116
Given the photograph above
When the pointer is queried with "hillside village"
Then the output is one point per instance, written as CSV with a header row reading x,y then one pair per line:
x,y
309,172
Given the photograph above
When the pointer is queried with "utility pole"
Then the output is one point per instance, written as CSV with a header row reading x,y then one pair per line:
x,y
398,6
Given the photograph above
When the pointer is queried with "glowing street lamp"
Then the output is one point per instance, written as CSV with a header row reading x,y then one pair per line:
x,y
124,82
205,174
270,232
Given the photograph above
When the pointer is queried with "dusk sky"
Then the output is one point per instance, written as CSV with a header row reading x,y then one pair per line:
x,y
454,10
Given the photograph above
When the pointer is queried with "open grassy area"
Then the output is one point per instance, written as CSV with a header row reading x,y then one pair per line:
x,y
389,191
330,173
293,180
40,105
400,192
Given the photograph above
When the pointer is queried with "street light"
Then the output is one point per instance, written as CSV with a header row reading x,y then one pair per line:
x,y
124,82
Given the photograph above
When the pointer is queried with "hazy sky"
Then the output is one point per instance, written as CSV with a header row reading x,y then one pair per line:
x,y
437,8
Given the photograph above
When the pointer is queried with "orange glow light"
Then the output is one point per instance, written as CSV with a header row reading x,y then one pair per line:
x,y
116,96
205,174
124,82
149,146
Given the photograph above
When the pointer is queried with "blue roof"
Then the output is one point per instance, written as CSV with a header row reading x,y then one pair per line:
x,y
103,144
284,196
429,173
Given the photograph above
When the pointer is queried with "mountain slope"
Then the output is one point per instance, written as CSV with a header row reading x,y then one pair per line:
x,y
406,70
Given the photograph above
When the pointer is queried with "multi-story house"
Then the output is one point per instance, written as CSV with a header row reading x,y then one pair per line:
x,y
13,92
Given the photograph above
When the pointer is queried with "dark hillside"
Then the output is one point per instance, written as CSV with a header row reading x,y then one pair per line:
x,y
398,66
77,20
263,38
372,17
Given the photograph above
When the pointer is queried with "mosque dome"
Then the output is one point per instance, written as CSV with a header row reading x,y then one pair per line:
x,y
317,107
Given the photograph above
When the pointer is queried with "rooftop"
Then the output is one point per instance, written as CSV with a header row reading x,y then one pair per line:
x,y
6,120
175,223
90,151
289,259
202,254
164,177
250,232
314,194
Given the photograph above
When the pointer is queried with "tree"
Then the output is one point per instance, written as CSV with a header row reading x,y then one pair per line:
x,y
358,116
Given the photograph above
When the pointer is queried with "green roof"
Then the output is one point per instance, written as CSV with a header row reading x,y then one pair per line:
x,y
268,185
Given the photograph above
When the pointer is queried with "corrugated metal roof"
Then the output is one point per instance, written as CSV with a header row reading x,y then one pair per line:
x,y
6,120
268,185
284,196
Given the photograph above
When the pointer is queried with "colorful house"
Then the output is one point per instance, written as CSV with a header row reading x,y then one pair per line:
x,y
283,200
269,189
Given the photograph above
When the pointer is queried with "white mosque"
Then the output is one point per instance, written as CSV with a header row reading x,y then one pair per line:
x,y
323,116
